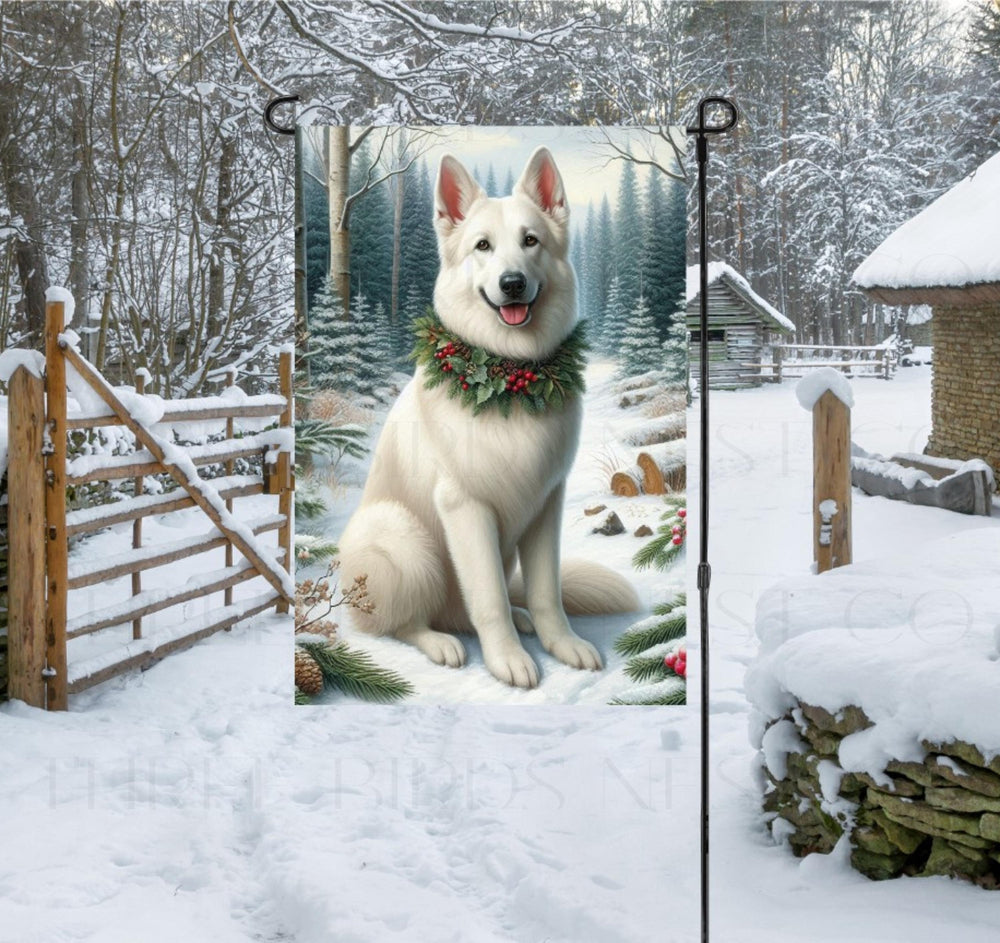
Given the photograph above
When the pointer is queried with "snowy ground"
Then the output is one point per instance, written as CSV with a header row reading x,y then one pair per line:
x,y
761,463
194,802
600,449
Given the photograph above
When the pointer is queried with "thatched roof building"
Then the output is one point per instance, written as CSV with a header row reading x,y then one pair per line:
x,y
948,256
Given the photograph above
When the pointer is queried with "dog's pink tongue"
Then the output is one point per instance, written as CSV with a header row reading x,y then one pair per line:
x,y
514,314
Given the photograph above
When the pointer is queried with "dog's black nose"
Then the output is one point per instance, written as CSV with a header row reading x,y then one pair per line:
x,y
512,284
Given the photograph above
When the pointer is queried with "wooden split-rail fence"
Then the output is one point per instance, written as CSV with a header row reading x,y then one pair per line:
x,y
795,360
41,576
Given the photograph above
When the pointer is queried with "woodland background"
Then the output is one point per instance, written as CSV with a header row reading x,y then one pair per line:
x,y
136,170
628,232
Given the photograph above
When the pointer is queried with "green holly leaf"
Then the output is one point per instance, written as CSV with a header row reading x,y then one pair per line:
x,y
483,393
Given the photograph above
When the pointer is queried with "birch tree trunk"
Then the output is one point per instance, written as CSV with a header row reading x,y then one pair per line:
x,y
338,190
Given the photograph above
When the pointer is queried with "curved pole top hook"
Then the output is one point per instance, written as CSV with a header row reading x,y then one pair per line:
x,y
269,114
729,120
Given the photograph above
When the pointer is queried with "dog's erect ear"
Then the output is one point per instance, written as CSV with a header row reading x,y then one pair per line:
x,y
455,192
542,184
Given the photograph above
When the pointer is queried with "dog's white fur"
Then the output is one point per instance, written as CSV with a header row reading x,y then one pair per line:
x,y
452,498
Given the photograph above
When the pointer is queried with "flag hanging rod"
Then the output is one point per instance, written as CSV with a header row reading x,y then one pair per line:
x,y
269,121
716,115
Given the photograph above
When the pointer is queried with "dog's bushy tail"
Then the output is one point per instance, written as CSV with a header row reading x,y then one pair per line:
x,y
588,589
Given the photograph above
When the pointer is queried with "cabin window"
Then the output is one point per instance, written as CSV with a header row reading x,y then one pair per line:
x,y
719,336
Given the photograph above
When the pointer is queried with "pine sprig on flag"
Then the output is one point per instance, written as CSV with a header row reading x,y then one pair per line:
x,y
656,656
658,629
670,539
661,694
355,673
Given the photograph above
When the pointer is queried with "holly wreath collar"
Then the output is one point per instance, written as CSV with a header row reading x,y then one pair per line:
x,y
482,380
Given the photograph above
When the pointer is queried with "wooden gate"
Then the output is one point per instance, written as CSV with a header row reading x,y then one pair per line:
x,y
41,576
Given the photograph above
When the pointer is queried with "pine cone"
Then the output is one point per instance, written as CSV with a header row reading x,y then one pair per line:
x,y
308,677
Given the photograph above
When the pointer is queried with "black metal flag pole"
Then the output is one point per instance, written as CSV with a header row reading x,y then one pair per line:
x,y
715,116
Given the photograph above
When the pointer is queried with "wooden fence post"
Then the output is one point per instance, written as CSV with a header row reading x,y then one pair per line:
x,y
286,497
776,372
831,482
55,509
227,596
138,488
26,530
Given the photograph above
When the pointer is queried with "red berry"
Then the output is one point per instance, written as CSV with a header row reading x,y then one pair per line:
x,y
677,541
670,660
682,513
465,386
681,670
676,529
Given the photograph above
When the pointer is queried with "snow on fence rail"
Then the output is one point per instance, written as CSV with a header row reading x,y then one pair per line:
x,y
41,575
795,360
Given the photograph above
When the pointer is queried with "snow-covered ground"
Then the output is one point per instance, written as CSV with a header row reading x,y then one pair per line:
x,y
601,450
761,462
195,802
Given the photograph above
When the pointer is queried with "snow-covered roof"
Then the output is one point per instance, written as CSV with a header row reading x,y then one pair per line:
x,y
721,271
950,244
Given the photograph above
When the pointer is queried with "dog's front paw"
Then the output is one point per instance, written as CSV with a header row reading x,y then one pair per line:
x,y
440,647
513,666
576,652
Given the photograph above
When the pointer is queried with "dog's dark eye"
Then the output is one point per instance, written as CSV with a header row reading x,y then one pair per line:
x,y
483,245
530,240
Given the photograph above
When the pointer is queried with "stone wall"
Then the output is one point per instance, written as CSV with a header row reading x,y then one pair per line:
x,y
966,389
937,817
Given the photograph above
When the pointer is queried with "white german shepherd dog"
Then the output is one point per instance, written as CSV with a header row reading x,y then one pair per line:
x,y
452,498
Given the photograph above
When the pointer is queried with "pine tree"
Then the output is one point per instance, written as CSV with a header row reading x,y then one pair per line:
x,y
384,342
591,300
369,346
603,266
415,306
613,319
675,348
578,259
639,348
317,235
628,241
491,183
335,361
419,263
371,233
663,249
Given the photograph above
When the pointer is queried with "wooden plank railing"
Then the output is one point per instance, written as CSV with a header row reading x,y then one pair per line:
x,y
794,360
